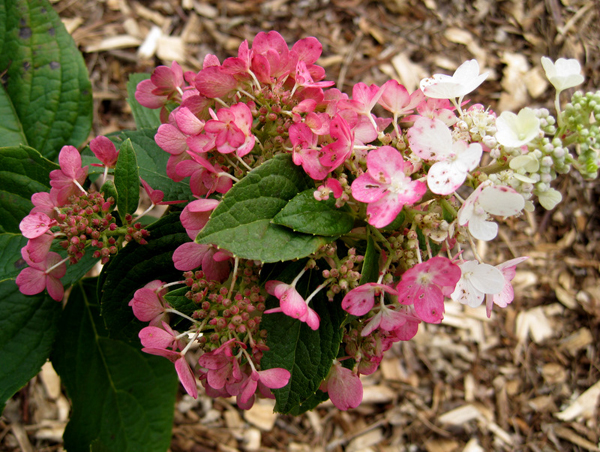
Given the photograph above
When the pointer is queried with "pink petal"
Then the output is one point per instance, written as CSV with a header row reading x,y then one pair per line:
x,y
344,388
189,256
31,281
275,378
186,377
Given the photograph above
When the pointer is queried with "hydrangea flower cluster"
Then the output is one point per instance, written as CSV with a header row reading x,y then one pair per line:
x,y
422,176
407,181
75,220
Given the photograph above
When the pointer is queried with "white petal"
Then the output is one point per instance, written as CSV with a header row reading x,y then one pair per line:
x,y
482,229
445,177
430,139
550,198
469,155
500,200
487,279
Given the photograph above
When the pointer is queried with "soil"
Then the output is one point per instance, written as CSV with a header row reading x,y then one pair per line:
x,y
526,379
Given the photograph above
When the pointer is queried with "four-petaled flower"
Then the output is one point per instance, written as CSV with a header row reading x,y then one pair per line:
x,y
386,187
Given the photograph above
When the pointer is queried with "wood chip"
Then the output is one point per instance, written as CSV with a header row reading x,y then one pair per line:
x,y
261,414
584,406
461,415
114,42
171,48
409,73
534,323
50,380
515,94
574,438
150,44
441,445
577,341
252,439
362,442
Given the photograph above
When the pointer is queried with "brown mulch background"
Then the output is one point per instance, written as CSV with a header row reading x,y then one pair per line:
x,y
526,379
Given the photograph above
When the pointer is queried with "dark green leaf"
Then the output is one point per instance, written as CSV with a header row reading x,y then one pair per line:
x,y
145,118
127,180
28,326
370,268
178,300
46,75
23,172
122,398
135,266
307,354
241,223
109,189
11,262
11,130
305,214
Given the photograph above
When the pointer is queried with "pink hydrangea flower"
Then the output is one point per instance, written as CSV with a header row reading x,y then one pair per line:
x,y
35,225
39,247
216,264
271,378
105,151
232,128
68,180
223,368
425,285
343,386
196,214
291,303
386,187
149,306
42,275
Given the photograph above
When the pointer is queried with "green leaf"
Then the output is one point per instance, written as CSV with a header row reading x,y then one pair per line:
x,y
152,163
127,180
11,262
122,398
135,266
28,327
305,214
242,222
307,354
109,189
370,268
11,130
47,79
178,300
145,118
23,172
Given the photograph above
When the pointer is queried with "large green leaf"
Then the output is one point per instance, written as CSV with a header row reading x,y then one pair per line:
x,y
305,214
242,222
46,77
307,354
11,261
145,118
122,398
23,172
135,266
11,131
28,327
127,180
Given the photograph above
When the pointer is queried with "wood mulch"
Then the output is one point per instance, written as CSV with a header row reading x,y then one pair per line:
x,y
526,379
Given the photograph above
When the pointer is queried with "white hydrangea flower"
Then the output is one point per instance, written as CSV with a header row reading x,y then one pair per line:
x,y
465,79
565,73
477,280
516,130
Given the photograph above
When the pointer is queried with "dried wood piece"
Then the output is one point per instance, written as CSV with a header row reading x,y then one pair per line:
x,y
460,415
50,380
571,436
362,442
114,42
150,44
261,415
577,341
584,406
441,445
